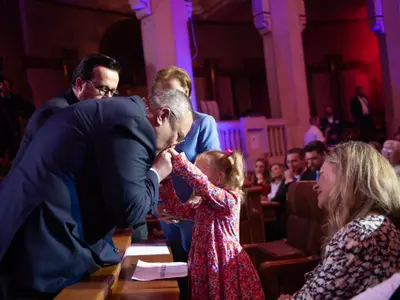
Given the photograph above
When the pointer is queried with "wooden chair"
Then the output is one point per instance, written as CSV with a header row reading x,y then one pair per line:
x,y
285,276
251,223
304,228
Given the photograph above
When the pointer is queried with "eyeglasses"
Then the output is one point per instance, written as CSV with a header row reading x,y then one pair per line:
x,y
104,90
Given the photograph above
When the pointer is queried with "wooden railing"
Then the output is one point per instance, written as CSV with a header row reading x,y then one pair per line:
x,y
270,135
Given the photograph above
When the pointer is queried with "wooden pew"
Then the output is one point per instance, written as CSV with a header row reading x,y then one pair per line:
x,y
126,288
98,285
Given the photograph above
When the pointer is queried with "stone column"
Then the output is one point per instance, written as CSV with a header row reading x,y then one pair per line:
x,y
165,36
280,23
385,23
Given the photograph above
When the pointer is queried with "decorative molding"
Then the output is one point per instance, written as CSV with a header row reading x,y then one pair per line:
x,y
142,8
262,16
375,13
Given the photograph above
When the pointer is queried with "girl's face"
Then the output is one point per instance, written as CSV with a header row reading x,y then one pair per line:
x,y
215,177
259,168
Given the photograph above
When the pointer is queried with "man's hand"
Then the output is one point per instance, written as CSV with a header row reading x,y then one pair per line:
x,y
164,215
163,165
289,176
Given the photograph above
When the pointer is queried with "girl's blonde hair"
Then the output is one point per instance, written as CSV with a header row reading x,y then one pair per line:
x,y
365,183
231,163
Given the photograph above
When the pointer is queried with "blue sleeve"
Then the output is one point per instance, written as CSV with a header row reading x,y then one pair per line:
x,y
208,135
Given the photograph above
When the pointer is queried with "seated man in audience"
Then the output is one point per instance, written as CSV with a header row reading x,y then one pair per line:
x,y
315,153
202,137
296,171
314,133
91,167
391,150
95,77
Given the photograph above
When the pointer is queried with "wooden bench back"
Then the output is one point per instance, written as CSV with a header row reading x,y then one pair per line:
x,y
252,223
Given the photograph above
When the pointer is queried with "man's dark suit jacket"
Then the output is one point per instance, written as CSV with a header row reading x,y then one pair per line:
x,y
86,171
356,108
40,116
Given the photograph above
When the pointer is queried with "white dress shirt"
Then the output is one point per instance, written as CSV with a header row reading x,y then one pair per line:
x,y
313,134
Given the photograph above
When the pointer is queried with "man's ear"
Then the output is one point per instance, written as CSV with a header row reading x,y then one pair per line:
x,y
163,115
79,82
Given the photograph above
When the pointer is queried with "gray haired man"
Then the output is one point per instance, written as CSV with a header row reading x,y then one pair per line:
x,y
92,167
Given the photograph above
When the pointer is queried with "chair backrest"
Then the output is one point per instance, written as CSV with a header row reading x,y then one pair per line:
x,y
252,223
305,219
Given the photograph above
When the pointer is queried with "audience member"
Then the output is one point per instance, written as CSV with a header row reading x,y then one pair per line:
x,y
296,171
277,171
314,133
203,136
91,167
360,108
315,153
262,176
360,192
331,127
391,151
95,77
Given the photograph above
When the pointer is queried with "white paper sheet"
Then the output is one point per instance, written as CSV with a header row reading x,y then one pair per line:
x,y
145,271
146,249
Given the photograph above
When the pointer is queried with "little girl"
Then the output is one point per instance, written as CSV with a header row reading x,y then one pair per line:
x,y
218,266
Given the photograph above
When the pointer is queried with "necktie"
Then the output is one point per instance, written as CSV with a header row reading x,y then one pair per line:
x,y
317,176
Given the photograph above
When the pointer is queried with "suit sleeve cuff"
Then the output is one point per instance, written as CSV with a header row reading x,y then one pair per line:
x,y
158,176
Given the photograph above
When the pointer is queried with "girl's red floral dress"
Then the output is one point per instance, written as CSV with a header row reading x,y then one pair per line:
x,y
219,268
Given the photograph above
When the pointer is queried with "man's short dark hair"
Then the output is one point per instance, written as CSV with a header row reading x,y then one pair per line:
x,y
317,146
85,68
298,151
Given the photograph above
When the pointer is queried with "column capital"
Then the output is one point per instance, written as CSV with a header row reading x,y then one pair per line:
x,y
262,16
375,14
142,8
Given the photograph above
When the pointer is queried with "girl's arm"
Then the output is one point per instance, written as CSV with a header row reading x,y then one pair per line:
x,y
218,198
173,204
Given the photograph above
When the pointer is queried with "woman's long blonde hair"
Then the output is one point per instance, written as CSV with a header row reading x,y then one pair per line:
x,y
365,183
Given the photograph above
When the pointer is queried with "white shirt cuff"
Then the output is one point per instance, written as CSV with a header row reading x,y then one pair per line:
x,y
158,176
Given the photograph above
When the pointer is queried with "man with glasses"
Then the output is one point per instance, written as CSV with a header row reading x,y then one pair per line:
x,y
96,77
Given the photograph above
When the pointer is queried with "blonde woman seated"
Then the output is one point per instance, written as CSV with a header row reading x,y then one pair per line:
x,y
361,194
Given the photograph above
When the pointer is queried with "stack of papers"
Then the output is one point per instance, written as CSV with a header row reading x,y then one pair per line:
x,y
152,271
146,249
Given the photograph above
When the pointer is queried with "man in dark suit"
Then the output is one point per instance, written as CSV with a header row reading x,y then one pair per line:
x,y
96,77
360,108
91,167
296,171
